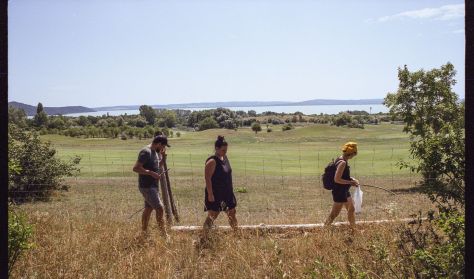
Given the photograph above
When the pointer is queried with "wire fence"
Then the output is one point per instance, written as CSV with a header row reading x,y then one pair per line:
x,y
281,186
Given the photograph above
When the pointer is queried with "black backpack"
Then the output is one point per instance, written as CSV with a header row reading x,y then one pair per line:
x,y
329,173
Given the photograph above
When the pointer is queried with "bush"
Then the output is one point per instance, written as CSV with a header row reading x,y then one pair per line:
x,y
355,124
287,127
269,130
178,134
256,127
208,123
241,190
342,119
249,122
41,172
19,234
276,121
435,249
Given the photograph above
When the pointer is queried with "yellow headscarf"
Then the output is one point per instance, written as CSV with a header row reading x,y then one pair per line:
x,y
349,148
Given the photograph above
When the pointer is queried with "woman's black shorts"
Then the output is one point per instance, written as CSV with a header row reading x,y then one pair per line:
x,y
221,203
340,193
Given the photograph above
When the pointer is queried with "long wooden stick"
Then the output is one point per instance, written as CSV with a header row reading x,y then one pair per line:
x,y
166,200
381,188
170,194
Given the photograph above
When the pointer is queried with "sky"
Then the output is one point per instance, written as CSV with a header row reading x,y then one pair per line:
x,y
106,53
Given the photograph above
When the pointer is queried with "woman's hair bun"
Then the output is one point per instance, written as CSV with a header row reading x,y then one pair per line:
x,y
220,142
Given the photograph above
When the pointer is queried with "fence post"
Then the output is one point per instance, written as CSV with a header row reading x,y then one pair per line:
x,y
301,177
192,169
123,169
107,167
319,172
391,167
373,166
245,167
93,186
281,172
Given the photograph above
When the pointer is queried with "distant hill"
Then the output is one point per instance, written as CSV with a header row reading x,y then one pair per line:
x,y
31,110
251,104
316,102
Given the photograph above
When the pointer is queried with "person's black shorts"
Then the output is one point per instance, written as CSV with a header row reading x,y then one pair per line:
x,y
340,193
221,205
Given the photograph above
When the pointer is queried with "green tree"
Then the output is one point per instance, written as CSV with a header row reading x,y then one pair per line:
x,y
168,118
82,121
434,119
41,118
148,113
56,123
208,123
39,108
17,116
256,127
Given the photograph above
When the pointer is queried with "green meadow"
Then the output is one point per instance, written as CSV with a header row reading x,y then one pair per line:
x,y
303,151
276,175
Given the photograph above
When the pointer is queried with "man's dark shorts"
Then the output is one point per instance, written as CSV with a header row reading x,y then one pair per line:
x,y
152,197
340,193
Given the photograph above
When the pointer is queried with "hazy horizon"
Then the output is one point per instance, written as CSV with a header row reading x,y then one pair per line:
x,y
117,53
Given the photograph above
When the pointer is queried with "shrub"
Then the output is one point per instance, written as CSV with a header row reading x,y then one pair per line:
x,y
41,172
355,124
434,248
287,127
256,127
208,123
241,190
19,234
276,121
342,119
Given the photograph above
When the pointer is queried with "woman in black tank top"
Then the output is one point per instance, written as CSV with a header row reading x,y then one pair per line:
x,y
342,183
219,193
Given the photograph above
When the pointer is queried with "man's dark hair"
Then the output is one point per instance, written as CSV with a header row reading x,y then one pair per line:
x,y
161,139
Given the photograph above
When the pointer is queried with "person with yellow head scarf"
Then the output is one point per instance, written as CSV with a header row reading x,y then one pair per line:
x,y
342,183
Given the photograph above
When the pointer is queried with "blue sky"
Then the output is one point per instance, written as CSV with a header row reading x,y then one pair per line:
x,y
103,53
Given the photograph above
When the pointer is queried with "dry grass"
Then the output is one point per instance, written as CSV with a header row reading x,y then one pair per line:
x,y
69,246
87,233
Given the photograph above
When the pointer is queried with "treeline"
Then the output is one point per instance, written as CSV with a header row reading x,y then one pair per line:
x,y
150,121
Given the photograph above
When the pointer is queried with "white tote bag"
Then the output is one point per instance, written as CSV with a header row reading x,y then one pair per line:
x,y
358,200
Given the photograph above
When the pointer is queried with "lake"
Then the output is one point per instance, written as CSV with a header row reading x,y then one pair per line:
x,y
325,109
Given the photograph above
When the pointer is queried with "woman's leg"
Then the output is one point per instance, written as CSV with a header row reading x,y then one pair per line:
x,y
232,218
336,209
211,216
350,211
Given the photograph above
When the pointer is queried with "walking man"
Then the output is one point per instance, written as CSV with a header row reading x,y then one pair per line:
x,y
148,166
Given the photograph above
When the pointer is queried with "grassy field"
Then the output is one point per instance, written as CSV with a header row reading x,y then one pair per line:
x,y
305,151
281,174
